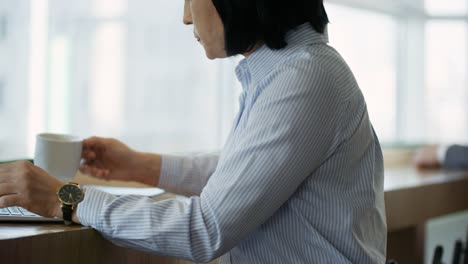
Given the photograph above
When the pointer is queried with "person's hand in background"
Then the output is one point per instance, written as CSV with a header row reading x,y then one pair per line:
x,y
110,159
427,157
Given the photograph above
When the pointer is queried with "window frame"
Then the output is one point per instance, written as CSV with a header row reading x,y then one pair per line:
x,y
411,17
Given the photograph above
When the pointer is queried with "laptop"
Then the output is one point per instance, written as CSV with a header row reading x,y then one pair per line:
x,y
19,214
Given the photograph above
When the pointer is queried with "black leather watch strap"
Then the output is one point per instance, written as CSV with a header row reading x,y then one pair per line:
x,y
67,211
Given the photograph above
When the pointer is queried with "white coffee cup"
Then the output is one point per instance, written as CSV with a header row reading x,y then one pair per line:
x,y
59,155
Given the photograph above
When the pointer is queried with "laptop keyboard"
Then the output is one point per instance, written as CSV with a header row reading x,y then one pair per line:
x,y
16,211
19,214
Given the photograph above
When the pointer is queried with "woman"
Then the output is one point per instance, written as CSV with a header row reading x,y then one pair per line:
x,y
300,178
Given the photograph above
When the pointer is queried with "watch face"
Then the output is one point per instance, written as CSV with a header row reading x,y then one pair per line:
x,y
70,194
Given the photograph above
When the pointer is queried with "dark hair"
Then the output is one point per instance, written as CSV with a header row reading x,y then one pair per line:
x,y
246,22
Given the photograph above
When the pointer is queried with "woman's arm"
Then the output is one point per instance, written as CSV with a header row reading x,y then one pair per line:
x,y
187,175
110,159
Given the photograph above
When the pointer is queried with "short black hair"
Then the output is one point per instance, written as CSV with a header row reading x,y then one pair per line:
x,y
246,22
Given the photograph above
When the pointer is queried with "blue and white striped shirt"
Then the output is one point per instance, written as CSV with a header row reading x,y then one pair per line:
x,y
299,180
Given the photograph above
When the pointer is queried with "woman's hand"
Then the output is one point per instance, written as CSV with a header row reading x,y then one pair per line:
x,y
23,184
110,159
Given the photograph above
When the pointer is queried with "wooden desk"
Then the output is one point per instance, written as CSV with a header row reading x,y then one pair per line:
x,y
54,243
412,197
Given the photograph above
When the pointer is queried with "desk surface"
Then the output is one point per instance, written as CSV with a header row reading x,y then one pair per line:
x,y
412,197
409,177
19,230
56,244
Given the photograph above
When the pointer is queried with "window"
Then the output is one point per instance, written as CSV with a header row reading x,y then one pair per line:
x,y
132,70
410,59
367,41
446,89
2,94
145,80
446,7
3,26
13,82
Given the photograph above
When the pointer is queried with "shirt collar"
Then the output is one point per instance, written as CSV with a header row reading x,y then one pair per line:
x,y
257,66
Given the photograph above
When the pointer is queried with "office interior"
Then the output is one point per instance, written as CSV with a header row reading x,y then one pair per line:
x,y
131,70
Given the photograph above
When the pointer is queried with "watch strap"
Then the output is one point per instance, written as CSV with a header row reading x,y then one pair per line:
x,y
67,211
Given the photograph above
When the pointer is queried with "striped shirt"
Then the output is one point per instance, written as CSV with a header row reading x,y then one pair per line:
x,y
299,180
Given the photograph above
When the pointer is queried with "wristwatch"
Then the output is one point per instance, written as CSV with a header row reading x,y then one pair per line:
x,y
69,195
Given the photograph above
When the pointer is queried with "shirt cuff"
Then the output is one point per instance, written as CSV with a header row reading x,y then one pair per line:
x,y
89,211
171,169
442,153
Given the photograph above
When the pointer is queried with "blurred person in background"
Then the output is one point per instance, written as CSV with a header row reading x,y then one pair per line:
x,y
434,156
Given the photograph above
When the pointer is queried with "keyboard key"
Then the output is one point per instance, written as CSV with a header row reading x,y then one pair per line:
x,y
4,211
15,210
26,212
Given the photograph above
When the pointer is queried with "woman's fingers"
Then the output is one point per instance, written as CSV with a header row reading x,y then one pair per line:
x,y
94,143
102,173
7,189
6,167
86,169
88,155
94,171
10,200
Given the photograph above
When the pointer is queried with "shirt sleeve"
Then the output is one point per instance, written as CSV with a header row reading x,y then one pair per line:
x,y
187,175
289,133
